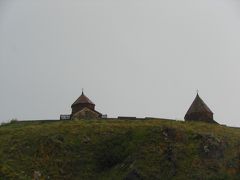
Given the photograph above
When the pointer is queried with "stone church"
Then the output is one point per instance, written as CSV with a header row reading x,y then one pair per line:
x,y
84,108
199,111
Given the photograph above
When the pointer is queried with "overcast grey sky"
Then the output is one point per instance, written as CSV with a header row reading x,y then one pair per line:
x,y
132,57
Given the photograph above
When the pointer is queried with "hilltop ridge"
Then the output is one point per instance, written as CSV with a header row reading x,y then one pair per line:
x,y
119,149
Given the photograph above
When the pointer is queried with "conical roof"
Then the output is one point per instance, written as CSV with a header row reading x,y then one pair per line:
x,y
198,105
83,100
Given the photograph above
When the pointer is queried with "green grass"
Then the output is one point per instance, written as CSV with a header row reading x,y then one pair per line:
x,y
117,149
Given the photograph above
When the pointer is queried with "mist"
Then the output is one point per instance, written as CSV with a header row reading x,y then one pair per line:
x,y
133,58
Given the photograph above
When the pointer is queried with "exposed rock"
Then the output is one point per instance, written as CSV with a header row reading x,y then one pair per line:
x,y
60,138
86,139
169,133
170,156
133,175
36,175
211,147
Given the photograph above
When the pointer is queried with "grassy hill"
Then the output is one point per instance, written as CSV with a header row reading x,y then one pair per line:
x,y
117,149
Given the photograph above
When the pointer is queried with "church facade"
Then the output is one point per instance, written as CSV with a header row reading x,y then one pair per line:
x,y
84,108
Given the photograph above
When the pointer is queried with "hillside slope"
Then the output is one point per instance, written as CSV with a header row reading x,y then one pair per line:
x,y
148,149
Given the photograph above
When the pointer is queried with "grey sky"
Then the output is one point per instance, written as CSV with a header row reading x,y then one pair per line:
x,y
132,57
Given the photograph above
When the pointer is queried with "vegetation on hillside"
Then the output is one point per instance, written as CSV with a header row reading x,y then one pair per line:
x,y
118,149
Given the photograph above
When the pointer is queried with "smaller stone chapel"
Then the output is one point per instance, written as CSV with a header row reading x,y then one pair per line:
x,y
199,111
84,108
